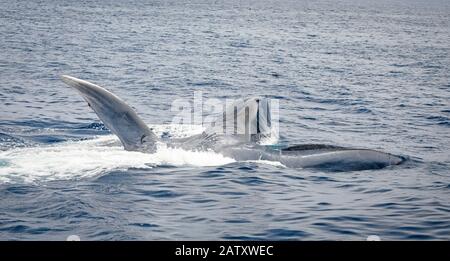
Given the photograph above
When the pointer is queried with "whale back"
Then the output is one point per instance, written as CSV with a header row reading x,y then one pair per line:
x,y
305,147
336,158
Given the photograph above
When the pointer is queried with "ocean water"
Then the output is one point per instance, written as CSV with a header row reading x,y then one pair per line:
x,y
351,73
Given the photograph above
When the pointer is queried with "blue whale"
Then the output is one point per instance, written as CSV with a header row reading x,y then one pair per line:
x,y
135,135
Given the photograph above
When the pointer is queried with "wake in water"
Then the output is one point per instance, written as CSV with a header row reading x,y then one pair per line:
x,y
89,158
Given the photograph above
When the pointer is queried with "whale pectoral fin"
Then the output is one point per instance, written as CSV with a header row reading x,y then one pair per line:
x,y
244,121
117,116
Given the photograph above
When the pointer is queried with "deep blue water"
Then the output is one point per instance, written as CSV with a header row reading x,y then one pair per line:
x,y
350,73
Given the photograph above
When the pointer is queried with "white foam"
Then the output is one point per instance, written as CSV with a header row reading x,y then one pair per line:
x,y
268,162
81,159
89,158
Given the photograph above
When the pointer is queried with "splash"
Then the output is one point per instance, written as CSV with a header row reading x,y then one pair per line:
x,y
88,158
268,162
102,154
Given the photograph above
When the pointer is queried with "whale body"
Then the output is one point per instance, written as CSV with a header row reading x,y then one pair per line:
x,y
226,136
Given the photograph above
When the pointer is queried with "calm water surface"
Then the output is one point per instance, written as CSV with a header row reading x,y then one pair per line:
x,y
350,73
